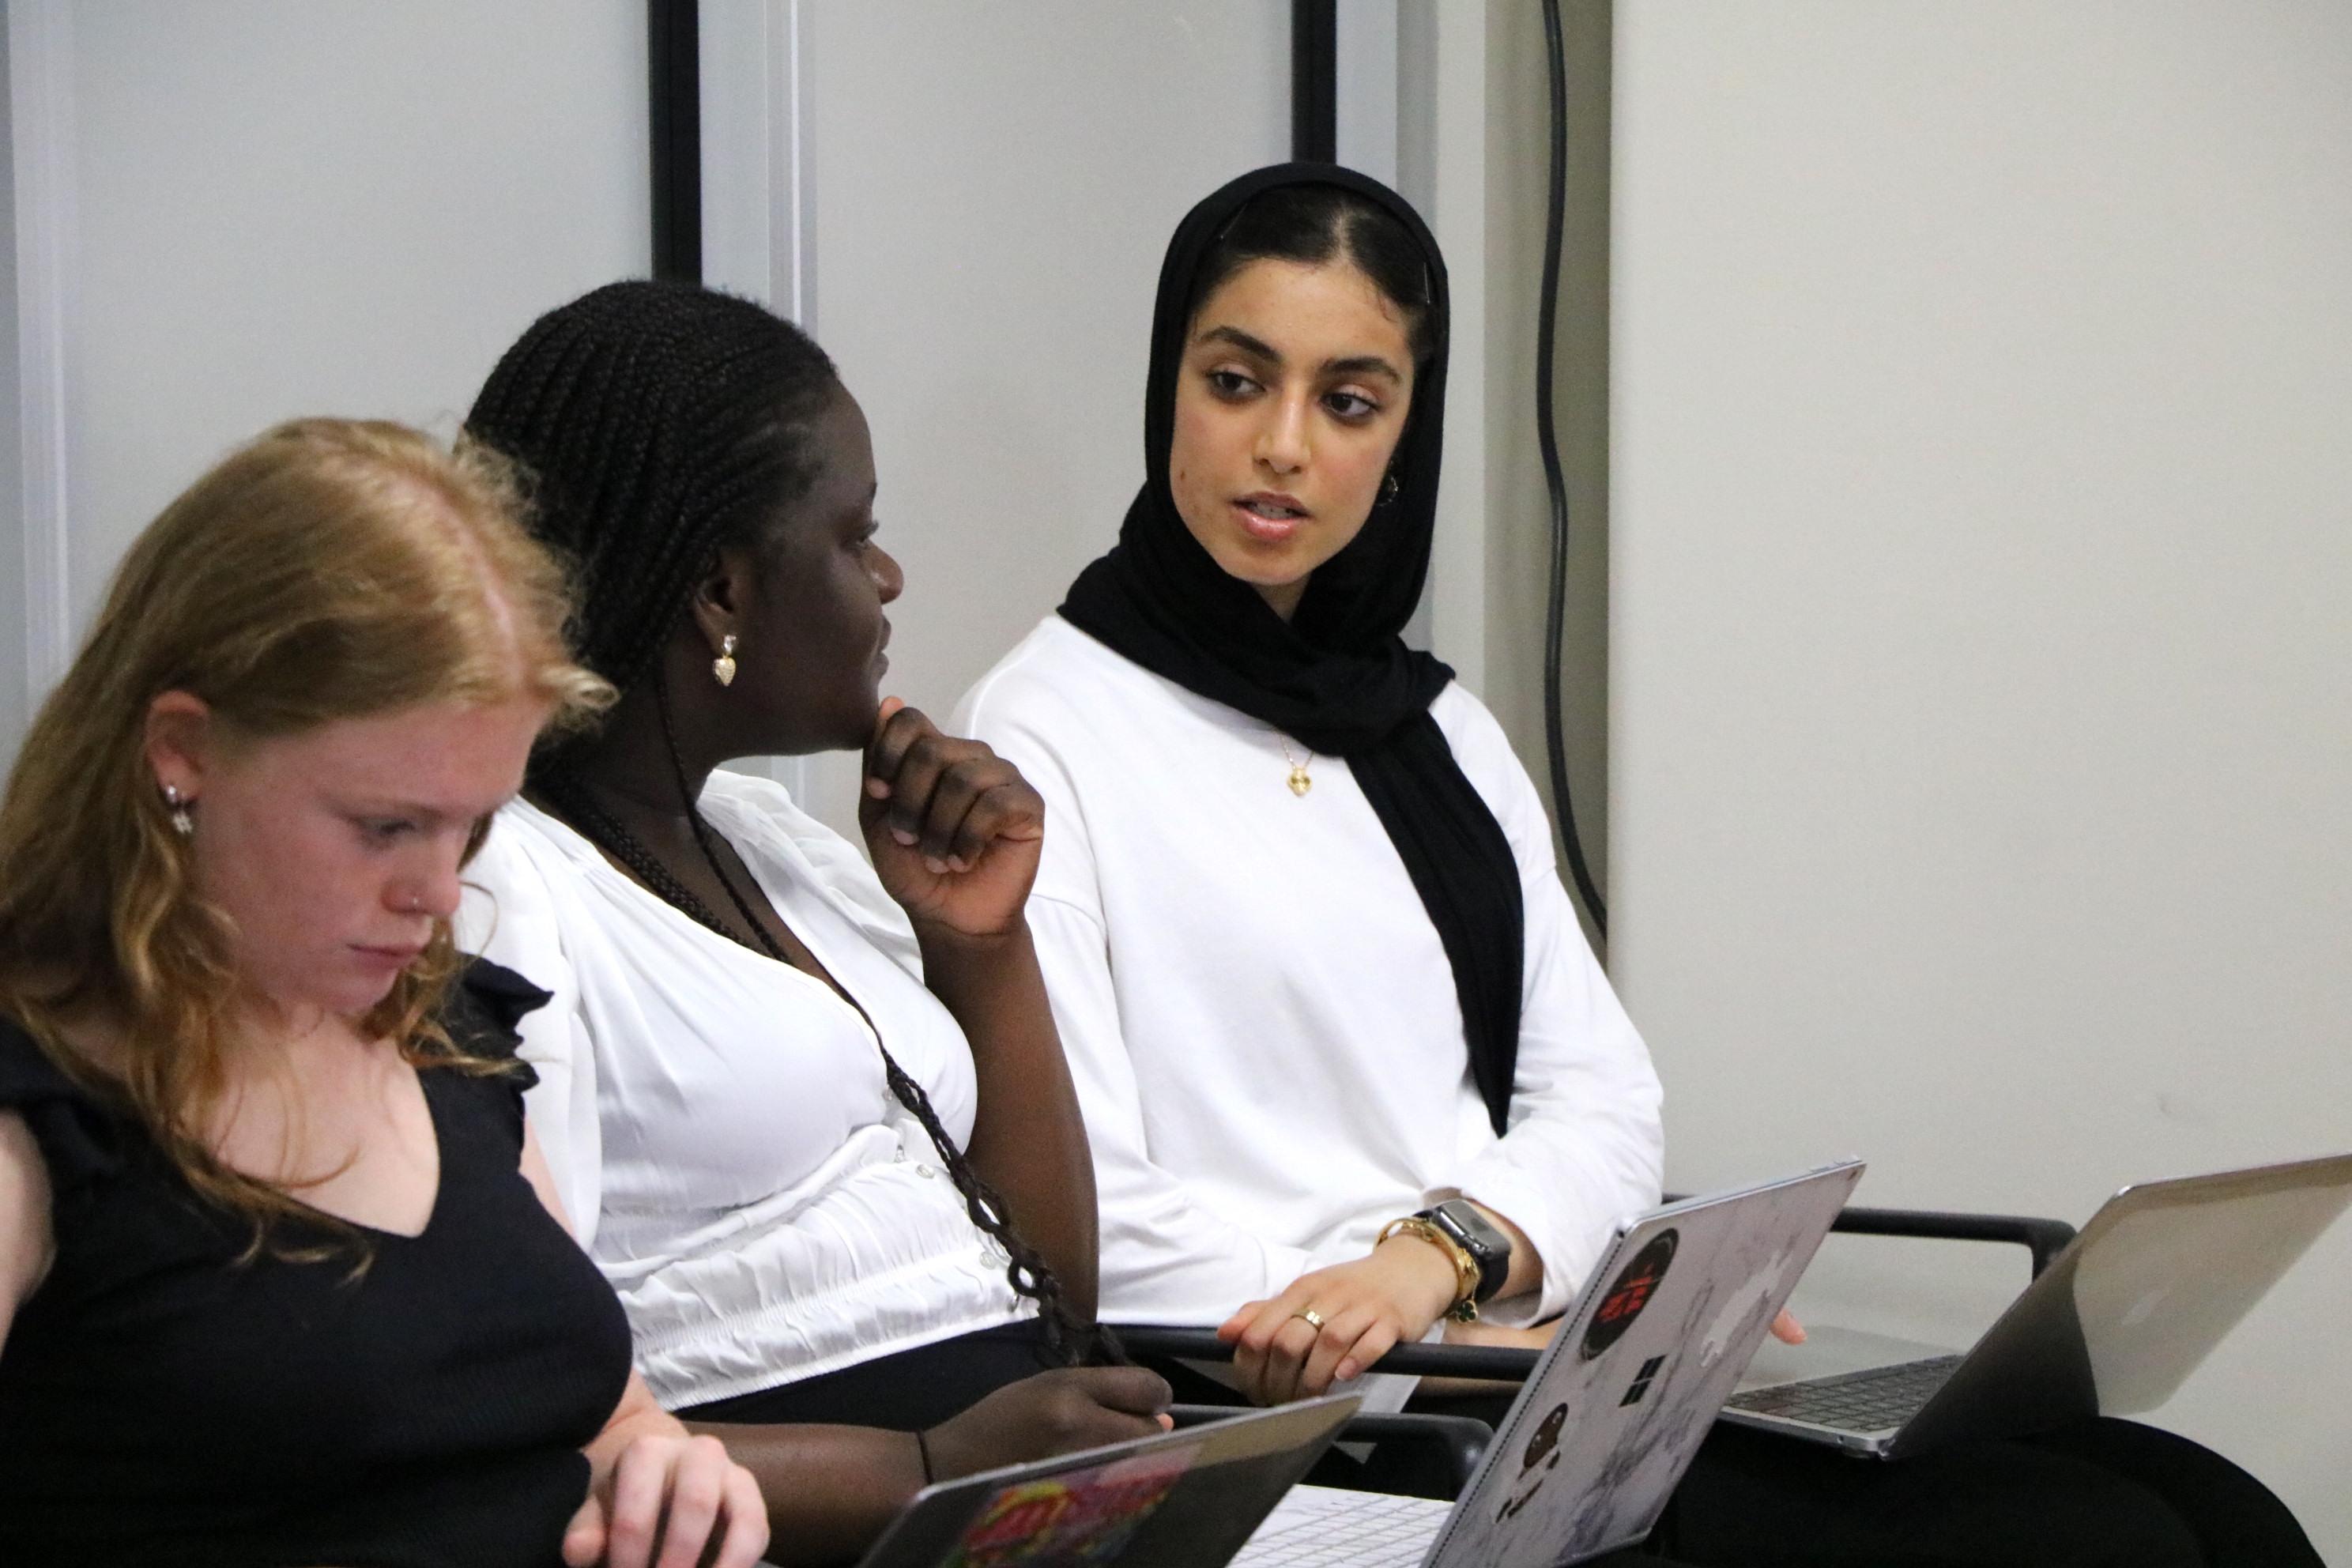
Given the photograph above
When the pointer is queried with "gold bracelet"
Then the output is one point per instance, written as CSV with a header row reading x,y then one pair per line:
x,y
1465,1309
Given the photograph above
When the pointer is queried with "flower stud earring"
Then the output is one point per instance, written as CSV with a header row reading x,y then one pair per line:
x,y
722,669
182,822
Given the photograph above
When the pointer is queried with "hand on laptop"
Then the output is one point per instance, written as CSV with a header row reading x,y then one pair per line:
x,y
1787,1330
1052,1413
1361,1310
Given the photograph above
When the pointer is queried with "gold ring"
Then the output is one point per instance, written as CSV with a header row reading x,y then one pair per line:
x,y
1314,1318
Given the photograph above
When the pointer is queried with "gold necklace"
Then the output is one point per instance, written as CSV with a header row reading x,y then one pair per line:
x,y
1299,783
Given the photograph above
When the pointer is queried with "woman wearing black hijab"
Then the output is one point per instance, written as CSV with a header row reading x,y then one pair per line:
x,y
1365,922
1309,953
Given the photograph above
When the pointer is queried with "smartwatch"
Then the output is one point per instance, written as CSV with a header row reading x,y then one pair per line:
x,y
1488,1247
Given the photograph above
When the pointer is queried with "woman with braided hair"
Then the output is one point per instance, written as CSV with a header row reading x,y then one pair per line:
x,y
812,1116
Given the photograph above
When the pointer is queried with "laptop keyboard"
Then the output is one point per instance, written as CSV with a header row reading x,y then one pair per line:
x,y
1327,1527
1874,1399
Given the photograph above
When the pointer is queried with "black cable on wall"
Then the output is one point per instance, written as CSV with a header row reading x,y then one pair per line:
x,y
674,120
1546,437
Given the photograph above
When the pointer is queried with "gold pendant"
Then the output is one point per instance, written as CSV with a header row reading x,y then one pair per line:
x,y
1299,783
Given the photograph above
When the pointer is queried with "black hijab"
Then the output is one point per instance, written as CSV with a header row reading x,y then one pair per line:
x,y
1337,677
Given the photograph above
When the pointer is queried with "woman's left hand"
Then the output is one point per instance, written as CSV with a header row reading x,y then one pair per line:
x,y
954,829
1366,1306
671,1501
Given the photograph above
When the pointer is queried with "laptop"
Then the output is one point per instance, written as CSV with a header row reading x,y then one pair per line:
x,y
1186,1499
1606,1423
2112,1327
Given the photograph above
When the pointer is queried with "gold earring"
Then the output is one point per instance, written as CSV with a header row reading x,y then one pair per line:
x,y
723,667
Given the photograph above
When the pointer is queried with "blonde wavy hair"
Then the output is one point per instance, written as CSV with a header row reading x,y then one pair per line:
x,y
331,569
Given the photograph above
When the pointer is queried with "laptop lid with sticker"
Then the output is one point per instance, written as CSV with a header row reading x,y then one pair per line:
x,y
1187,1499
1629,1386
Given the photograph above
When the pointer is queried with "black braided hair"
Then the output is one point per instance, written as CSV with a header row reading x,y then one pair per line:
x,y
660,423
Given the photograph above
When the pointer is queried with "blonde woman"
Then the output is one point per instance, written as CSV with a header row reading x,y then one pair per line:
x,y
281,1277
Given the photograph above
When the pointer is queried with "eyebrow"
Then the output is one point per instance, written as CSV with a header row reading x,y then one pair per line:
x,y
415,810
1362,365
1355,365
422,813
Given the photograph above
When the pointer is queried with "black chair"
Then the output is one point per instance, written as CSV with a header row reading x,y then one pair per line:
x,y
2042,1239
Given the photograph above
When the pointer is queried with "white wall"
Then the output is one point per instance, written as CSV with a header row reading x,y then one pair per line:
x,y
983,195
990,188
287,207
1982,529
12,515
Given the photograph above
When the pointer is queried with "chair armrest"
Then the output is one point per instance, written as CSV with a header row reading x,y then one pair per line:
x,y
1174,1341
1496,1361
2045,1238
1461,1438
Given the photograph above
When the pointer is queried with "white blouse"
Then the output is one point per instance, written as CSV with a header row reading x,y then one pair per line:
x,y
1259,1015
718,1123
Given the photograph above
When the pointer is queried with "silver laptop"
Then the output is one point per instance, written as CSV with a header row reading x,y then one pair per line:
x,y
1617,1404
1187,1499
2112,1327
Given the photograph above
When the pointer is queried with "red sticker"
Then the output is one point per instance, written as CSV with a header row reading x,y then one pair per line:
x,y
1632,1292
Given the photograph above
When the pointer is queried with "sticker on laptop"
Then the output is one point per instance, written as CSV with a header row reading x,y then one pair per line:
x,y
1631,1291
1536,1466
1074,1519
1641,1380
1734,1324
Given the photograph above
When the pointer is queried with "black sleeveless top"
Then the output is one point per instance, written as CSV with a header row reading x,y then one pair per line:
x,y
161,1403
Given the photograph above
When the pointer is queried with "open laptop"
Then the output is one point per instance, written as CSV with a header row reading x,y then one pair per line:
x,y
1617,1404
2112,1327
1186,1499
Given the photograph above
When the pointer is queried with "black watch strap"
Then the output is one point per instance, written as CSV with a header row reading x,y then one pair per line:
x,y
1471,1230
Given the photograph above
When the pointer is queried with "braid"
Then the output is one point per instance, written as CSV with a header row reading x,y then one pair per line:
x,y
659,422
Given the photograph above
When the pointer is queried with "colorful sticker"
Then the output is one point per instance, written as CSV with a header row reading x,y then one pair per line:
x,y
1632,1292
1073,1519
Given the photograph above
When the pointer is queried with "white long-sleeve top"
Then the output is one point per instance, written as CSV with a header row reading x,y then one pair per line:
x,y
1259,1015
718,1123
